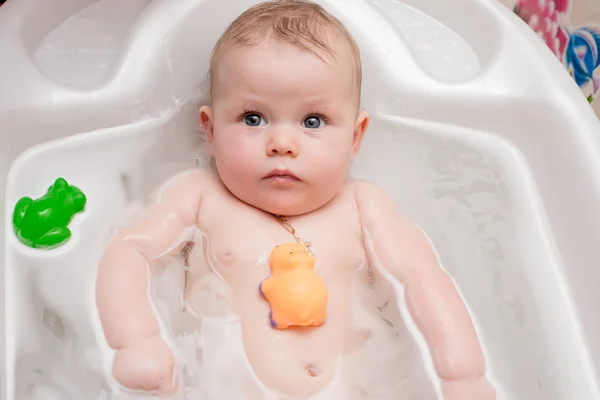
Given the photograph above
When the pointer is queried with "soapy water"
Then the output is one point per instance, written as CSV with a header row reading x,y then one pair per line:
x,y
207,332
205,335
466,199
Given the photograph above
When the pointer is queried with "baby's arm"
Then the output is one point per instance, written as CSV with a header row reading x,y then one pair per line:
x,y
143,360
397,245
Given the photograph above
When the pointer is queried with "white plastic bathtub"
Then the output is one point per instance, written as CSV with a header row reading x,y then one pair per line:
x,y
478,133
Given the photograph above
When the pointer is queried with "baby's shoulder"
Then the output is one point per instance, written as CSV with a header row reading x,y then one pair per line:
x,y
371,200
189,182
361,189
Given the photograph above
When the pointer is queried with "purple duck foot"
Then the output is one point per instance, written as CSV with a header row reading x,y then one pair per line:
x,y
272,321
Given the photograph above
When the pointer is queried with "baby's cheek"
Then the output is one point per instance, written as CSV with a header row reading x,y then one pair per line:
x,y
237,163
233,151
330,167
333,177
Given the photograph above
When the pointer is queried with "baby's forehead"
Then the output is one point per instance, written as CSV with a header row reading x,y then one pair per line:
x,y
338,56
273,60
301,23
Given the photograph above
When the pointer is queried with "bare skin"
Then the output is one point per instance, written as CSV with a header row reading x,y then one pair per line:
x,y
280,358
297,362
284,126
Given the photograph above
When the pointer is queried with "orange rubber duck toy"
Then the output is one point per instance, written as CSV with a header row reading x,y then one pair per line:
x,y
295,292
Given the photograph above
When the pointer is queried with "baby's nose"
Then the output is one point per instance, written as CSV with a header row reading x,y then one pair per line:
x,y
281,150
283,144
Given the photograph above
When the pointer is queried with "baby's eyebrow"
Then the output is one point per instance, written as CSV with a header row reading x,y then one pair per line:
x,y
238,106
318,103
252,101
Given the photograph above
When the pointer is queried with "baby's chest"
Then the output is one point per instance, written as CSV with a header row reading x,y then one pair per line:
x,y
242,244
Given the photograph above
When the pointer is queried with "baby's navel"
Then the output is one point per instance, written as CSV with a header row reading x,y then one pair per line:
x,y
312,370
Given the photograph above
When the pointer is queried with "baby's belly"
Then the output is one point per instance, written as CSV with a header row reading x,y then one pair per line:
x,y
362,350
295,361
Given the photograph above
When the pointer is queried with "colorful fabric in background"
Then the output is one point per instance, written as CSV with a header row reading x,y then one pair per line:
x,y
582,61
576,47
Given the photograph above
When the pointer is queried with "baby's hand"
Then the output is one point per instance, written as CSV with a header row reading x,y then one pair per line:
x,y
146,365
477,389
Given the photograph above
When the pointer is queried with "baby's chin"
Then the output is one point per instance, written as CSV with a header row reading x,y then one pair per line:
x,y
286,203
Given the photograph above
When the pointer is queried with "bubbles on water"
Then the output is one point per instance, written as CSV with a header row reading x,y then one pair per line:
x,y
381,361
395,363
381,358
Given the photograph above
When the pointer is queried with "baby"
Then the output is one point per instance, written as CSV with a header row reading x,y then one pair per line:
x,y
284,125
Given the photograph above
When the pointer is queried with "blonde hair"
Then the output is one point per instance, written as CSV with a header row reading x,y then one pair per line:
x,y
300,23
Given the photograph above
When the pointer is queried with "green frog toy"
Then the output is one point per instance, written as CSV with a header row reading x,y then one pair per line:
x,y
43,223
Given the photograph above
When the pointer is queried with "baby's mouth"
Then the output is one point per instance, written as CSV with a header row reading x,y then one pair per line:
x,y
280,175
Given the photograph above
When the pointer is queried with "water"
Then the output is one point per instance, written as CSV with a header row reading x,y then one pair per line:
x,y
459,192
207,333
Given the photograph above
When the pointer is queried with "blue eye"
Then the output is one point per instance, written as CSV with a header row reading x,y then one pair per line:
x,y
312,122
253,119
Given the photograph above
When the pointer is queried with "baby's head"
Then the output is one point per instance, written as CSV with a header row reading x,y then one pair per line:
x,y
285,122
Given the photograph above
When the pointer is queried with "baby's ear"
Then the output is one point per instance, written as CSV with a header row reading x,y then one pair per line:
x,y
362,122
206,120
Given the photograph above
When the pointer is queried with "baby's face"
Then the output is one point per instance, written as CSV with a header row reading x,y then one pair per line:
x,y
284,125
